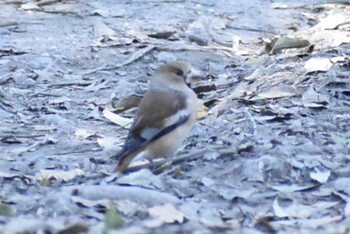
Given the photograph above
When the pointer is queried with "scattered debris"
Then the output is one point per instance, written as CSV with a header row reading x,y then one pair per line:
x,y
269,152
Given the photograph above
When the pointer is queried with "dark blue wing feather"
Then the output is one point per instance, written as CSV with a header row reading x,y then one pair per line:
x,y
135,143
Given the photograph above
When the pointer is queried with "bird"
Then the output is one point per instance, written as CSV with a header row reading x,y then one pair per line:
x,y
165,115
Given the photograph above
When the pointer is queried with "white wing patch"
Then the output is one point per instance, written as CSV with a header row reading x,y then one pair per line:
x,y
176,117
149,133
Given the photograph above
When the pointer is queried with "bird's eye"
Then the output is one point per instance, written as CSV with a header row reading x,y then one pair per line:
x,y
179,73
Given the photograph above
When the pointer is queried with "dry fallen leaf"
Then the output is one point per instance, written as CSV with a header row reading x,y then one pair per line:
x,y
143,178
318,64
117,119
107,142
298,210
333,21
161,34
58,175
342,185
210,217
39,127
288,43
90,203
292,187
311,98
83,133
30,6
59,100
259,72
320,176
100,29
279,5
275,92
166,213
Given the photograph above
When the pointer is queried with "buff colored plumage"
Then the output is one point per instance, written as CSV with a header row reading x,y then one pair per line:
x,y
165,116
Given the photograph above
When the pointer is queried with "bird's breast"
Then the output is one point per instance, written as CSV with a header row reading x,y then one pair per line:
x,y
169,143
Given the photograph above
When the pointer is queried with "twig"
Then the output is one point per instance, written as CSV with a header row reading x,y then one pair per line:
x,y
177,160
32,147
208,27
171,161
193,47
45,94
135,56
60,12
69,84
155,2
21,136
47,2
8,52
5,78
74,152
249,29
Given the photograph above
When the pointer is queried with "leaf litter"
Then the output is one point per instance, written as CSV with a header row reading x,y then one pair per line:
x,y
270,150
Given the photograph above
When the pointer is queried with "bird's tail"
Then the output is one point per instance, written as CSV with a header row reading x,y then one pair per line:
x,y
125,157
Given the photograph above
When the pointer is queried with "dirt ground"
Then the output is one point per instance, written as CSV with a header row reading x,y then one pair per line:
x,y
269,154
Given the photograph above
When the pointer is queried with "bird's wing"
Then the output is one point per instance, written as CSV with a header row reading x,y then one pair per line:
x,y
159,113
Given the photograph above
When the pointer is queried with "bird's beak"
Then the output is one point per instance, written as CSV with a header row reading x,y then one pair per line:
x,y
193,77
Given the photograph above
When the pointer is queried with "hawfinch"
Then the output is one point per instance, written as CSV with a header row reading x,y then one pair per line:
x,y
164,117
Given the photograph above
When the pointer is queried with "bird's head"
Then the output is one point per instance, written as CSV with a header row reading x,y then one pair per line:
x,y
176,74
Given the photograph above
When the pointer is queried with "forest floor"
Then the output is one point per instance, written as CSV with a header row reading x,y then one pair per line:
x,y
269,154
